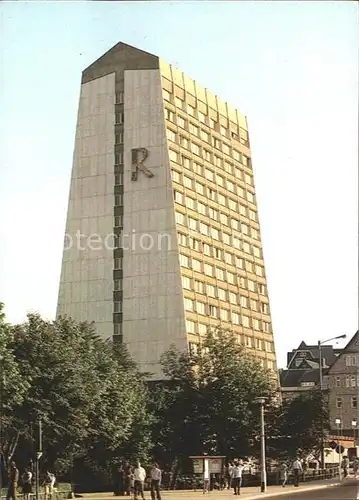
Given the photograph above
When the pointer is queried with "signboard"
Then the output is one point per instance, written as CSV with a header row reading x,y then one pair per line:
x,y
215,465
198,466
138,157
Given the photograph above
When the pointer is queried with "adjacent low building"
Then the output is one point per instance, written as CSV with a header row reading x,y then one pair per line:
x,y
302,373
342,381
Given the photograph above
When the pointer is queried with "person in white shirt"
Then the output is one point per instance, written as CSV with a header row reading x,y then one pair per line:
x,y
237,472
156,477
229,475
139,477
50,480
297,470
26,484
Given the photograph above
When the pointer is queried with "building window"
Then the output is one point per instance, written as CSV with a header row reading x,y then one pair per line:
x,y
118,158
119,138
176,176
193,129
202,329
120,97
117,307
118,180
224,314
245,321
190,110
204,229
206,249
195,149
117,263
232,298
117,285
187,182
353,380
194,244
181,122
199,188
118,221
196,265
192,224
171,135
230,278
244,301
235,318
208,269
178,197
188,304
118,200
179,102
226,149
213,214
268,346
232,204
198,286
173,156
180,219
220,274
222,294
221,200
210,290
236,155
218,162
191,327
169,115
184,142
182,239
201,308
337,382
184,261
215,233
201,117
120,117
209,174
190,203
226,238
213,311
354,402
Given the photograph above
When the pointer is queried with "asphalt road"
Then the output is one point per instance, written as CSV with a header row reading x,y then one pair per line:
x,y
348,490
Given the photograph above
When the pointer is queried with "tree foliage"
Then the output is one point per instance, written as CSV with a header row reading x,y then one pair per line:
x,y
210,402
89,395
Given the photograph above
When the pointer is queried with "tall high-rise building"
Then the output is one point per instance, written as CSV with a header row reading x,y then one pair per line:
x,y
162,234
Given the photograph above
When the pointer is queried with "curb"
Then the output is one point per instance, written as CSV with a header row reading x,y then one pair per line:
x,y
292,491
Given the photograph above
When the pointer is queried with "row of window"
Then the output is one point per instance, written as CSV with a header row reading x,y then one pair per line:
x,y
225,295
210,175
352,360
213,195
248,342
204,136
212,232
216,215
234,132
350,381
199,169
353,402
225,315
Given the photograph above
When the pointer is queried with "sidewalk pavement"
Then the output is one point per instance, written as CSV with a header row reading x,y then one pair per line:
x,y
247,493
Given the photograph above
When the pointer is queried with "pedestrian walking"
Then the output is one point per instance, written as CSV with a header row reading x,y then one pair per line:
x,y
26,480
283,474
229,475
127,474
355,466
297,471
237,472
49,484
156,478
346,466
13,482
139,478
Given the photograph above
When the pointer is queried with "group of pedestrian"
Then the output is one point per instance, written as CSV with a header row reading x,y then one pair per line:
x,y
235,475
297,468
26,483
133,479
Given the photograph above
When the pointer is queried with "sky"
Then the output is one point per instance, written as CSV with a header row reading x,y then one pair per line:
x,y
291,67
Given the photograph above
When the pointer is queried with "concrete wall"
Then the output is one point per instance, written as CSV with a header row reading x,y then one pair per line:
x,y
86,283
153,312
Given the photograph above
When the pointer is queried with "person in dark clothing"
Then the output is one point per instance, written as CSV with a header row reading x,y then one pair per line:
x,y
13,482
156,477
127,479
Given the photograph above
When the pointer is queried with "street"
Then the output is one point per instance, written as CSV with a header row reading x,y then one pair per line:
x,y
348,490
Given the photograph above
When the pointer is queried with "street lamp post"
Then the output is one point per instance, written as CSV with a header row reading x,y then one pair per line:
x,y
338,424
262,401
320,343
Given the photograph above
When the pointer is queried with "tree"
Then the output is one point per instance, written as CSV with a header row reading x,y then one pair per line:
x,y
300,424
13,390
209,403
88,394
